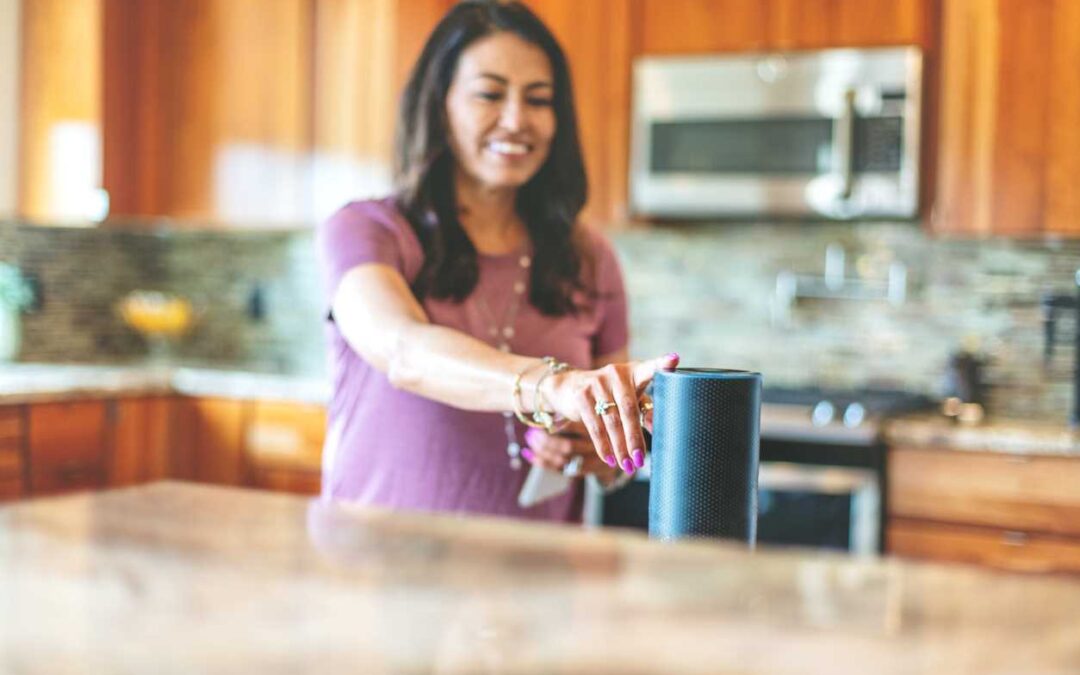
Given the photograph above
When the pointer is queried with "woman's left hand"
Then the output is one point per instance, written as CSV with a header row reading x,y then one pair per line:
x,y
555,451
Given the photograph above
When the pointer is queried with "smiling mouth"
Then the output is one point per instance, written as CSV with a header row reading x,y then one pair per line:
x,y
509,148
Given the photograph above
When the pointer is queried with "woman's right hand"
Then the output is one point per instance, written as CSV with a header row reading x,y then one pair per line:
x,y
606,401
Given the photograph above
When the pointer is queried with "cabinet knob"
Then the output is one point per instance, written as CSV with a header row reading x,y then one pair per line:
x,y
1012,538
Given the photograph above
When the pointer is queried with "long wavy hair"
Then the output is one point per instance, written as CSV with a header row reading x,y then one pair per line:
x,y
548,204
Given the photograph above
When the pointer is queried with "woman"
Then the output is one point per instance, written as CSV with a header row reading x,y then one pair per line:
x,y
443,297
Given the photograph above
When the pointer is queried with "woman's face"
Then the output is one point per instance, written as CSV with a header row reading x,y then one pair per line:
x,y
500,111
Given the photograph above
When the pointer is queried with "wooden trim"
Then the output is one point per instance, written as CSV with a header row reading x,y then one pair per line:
x,y
1015,551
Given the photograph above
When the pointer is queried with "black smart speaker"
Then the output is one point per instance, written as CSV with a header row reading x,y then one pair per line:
x,y
704,462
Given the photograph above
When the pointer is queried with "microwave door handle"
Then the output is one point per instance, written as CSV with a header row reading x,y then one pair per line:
x,y
844,145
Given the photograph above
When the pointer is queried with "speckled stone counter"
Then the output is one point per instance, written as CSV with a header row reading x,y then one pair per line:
x,y
176,578
33,383
992,435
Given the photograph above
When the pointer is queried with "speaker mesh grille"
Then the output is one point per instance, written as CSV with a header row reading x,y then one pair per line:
x,y
705,454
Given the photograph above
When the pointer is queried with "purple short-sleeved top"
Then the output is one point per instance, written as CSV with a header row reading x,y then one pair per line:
x,y
396,449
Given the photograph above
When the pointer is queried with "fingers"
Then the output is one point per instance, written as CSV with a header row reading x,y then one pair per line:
x,y
630,421
555,449
644,370
615,431
586,403
554,452
614,425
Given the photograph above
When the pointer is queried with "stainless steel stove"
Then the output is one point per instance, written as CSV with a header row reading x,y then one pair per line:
x,y
843,416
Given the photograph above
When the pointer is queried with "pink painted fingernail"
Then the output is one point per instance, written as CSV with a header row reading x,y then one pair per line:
x,y
639,458
628,466
532,436
528,454
610,460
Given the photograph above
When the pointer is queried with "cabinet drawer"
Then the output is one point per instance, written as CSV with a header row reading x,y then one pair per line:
x,y
1036,494
11,426
10,488
1002,549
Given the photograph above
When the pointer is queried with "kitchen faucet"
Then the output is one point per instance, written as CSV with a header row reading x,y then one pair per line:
x,y
1052,305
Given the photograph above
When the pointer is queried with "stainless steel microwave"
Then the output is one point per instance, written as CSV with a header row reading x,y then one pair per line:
x,y
831,134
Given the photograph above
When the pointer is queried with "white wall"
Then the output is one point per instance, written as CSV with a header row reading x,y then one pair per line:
x,y
9,103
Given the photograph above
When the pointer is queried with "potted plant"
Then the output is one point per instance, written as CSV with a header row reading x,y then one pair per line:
x,y
15,296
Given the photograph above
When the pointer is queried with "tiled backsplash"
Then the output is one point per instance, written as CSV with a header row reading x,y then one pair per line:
x,y
84,272
706,291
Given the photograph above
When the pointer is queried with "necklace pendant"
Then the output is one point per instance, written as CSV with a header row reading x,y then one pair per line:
x,y
514,452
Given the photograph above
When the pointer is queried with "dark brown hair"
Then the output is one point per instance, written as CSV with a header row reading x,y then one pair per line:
x,y
549,203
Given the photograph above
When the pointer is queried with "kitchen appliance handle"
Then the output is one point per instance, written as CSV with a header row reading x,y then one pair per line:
x,y
844,145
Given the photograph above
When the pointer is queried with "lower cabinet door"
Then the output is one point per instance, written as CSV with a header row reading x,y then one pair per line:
x,y
1000,549
68,443
11,488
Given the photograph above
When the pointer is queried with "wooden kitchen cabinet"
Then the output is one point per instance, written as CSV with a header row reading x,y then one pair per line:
x,y
12,452
283,446
702,26
1012,550
706,26
68,446
208,440
820,24
1015,512
597,39
140,440
1009,152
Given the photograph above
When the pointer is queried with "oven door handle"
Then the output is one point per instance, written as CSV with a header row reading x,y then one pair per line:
x,y
844,145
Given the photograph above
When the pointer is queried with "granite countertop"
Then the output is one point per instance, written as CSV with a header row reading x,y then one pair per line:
x,y
991,435
33,383
179,578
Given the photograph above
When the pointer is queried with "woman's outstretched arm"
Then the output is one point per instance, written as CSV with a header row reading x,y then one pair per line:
x,y
382,320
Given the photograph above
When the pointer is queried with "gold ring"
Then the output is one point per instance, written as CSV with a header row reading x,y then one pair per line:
x,y
603,406
644,407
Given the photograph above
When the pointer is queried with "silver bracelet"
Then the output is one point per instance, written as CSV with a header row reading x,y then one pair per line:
x,y
539,414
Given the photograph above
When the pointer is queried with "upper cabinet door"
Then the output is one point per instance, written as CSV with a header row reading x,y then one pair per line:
x,y
822,24
1010,112
596,37
704,26
700,26
1063,126
253,112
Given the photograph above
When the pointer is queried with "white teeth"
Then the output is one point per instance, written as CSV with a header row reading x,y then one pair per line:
x,y
508,148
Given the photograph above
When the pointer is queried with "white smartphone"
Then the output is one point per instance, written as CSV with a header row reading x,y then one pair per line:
x,y
541,485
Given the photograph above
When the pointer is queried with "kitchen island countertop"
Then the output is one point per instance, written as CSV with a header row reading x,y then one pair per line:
x,y
179,578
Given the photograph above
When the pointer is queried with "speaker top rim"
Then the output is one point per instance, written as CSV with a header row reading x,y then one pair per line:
x,y
711,373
